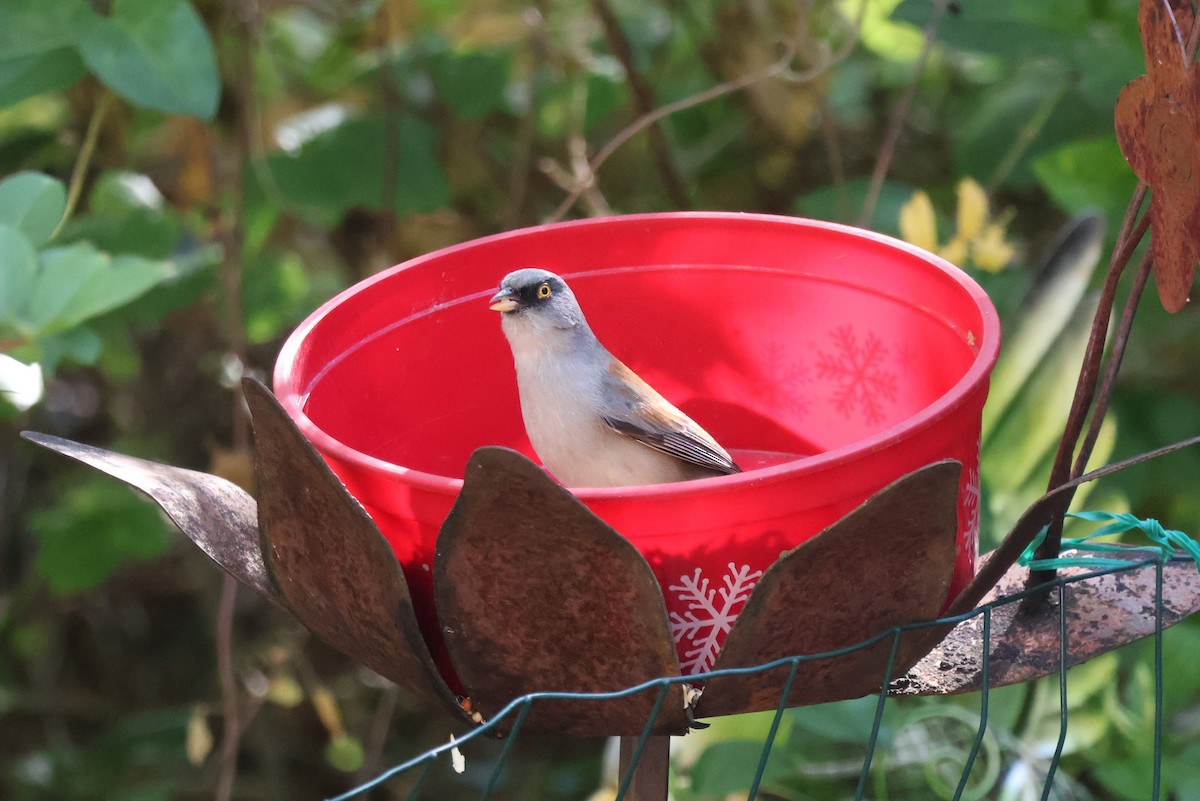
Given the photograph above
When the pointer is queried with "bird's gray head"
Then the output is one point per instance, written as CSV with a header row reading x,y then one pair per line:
x,y
537,303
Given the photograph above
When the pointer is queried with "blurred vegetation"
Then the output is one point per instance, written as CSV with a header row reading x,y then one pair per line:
x,y
183,181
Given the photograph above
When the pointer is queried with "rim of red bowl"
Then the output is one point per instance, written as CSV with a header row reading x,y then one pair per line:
x,y
989,345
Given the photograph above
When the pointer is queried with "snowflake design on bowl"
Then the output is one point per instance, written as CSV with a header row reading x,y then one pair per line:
x,y
785,381
856,368
972,497
710,613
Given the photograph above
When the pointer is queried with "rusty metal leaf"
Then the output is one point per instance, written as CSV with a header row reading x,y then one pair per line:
x,y
535,594
885,564
217,515
1158,129
328,560
1103,613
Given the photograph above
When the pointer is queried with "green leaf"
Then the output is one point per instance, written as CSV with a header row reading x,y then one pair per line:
x,y
845,204
29,75
18,274
32,203
343,168
126,214
80,344
79,282
276,294
1013,29
33,27
989,123
1087,173
1029,430
727,768
95,526
156,54
1044,312
472,84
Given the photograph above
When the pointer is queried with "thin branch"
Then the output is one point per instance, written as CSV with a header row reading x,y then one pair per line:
x,y
389,94
84,159
887,152
243,21
381,724
1029,131
643,99
781,68
518,177
833,155
231,736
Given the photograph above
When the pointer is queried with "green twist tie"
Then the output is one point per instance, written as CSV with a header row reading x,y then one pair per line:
x,y
1167,542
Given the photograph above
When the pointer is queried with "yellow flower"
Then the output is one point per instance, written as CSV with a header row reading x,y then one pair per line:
x,y
977,235
955,251
918,224
990,251
972,209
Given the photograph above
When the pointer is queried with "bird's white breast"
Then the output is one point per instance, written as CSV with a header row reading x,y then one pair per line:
x,y
560,406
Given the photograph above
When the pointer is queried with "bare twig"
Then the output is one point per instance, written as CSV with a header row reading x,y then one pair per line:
x,y
833,155
518,178
1029,131
887,152
243,19
381,723
389,95
84,160
780,68
643,99
231,736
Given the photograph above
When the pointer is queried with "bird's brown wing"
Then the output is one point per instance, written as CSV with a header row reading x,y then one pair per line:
x,y
638,411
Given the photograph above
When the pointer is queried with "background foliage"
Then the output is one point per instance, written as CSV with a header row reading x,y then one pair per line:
x,y
184,181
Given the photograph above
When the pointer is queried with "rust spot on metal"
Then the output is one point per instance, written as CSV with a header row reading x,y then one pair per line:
x,y
217,515
328,560
1103,613
537,594
885,564
1158,129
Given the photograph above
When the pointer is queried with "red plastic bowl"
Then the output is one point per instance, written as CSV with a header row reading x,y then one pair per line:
x,y
829,361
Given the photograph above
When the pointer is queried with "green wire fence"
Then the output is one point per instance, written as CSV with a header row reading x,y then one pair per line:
x,y
418,770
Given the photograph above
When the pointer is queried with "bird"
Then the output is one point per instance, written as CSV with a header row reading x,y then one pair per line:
x,y
592,421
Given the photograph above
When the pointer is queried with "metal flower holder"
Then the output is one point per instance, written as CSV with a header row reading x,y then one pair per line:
x,y
603,661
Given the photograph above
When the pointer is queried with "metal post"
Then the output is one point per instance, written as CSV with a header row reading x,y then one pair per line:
x,y
653,768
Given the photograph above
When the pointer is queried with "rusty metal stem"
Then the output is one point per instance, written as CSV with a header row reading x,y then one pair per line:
x,y
1114,366
1128,239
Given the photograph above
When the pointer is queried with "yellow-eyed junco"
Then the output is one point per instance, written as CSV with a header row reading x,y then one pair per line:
x,y
592,420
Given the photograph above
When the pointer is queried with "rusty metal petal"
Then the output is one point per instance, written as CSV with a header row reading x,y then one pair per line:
x,y
1102,613
1158,129
217,515
885,564
535,593
328,560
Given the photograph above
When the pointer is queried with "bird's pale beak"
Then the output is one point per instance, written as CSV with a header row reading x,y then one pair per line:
x,y
503,301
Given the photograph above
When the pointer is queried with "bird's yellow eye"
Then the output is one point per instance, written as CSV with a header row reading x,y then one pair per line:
x,y
543,291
